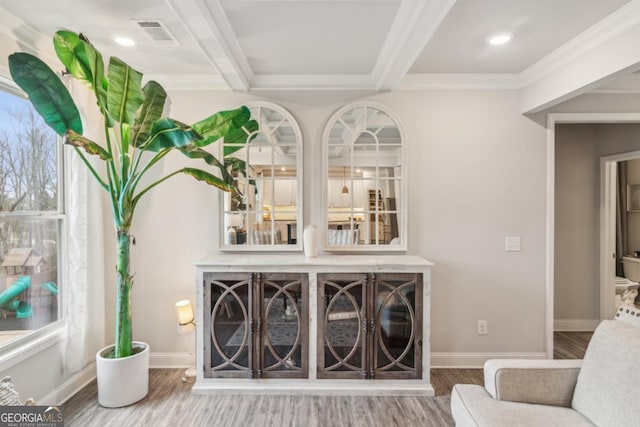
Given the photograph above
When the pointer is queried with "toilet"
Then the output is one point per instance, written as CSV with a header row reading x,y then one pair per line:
x,y
627,286
626,291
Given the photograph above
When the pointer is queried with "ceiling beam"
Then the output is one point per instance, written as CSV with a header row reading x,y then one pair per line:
x,y
209,27
596,57
415,23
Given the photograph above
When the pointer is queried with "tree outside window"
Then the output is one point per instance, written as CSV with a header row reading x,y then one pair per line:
x,y
31,218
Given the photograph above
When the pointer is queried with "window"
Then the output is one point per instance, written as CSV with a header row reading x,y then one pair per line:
x,y
31,219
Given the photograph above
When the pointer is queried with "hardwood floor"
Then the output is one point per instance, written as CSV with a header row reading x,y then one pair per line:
x,y
170,403
570,345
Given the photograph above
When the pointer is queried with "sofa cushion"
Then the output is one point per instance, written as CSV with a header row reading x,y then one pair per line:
x,y
607,387
473,406
544,382
629,314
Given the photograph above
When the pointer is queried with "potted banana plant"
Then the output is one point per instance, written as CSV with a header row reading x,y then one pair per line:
x,y
136,137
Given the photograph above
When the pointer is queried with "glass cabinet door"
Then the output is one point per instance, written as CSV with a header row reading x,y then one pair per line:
x,y
228,315
283,331
370,325
257,325
341,314
397,346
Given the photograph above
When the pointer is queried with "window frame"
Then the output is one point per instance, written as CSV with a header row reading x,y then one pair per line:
x,y
32,342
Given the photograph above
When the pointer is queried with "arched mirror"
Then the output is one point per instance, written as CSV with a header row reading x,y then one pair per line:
x,y
267,215
364,199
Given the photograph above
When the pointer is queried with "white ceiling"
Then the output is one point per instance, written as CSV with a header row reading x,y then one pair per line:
x,y
341,44
539,27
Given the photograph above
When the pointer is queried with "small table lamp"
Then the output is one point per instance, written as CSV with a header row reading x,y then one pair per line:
x,y
186,324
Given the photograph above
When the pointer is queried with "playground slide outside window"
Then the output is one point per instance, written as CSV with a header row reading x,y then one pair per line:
x,y
31,218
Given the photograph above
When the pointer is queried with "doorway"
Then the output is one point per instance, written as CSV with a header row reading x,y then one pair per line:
x,y
602,258
610,168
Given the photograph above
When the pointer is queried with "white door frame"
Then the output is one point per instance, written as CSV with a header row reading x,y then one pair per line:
x,y
607,172
608,184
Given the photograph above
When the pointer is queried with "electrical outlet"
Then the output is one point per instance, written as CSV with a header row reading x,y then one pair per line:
x,y
482,327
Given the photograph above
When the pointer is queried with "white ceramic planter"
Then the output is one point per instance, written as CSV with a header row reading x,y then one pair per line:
x,y
123,381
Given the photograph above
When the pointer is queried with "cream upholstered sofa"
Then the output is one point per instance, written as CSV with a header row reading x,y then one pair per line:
x,y
601,390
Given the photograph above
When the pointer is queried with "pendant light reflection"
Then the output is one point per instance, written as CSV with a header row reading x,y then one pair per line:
x,y
345,189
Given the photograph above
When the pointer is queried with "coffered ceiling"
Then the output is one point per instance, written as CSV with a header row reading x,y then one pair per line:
x,y
253,45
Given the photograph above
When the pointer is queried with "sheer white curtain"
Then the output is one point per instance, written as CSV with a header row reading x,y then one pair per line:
x,y
84,304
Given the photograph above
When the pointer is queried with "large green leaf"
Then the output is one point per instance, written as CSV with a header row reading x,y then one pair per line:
x,y
148,113
124,94
89,146
83,61
65,44
47,93
238,138
194,152
210,179
169,133
220,124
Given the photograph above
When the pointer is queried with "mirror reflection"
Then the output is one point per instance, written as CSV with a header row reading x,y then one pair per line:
x,y
267,210
364,179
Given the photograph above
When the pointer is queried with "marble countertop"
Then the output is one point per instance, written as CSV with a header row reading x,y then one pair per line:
x,y
261,260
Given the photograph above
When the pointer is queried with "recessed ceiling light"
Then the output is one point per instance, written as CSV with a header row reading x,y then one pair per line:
x,y
124,41
499,38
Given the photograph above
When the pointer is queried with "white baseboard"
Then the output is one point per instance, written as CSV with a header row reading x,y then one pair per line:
x,y
172,360
70,387
476,360
184,360
575,325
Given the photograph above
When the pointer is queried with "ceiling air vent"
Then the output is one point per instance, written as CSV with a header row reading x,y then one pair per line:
x,y
157,31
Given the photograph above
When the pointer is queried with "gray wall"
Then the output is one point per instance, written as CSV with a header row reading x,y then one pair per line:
x,y
579,148
476,174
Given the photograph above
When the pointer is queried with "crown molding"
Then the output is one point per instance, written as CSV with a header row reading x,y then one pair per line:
x,y
434,81
312,82
615,24
189,81
629,84
414,25
343,82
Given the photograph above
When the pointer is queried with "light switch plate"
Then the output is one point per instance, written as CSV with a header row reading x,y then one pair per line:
x,y
512,244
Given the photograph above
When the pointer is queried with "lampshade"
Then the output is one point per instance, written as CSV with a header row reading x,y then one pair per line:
x,y
237,221
345,189
184,312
